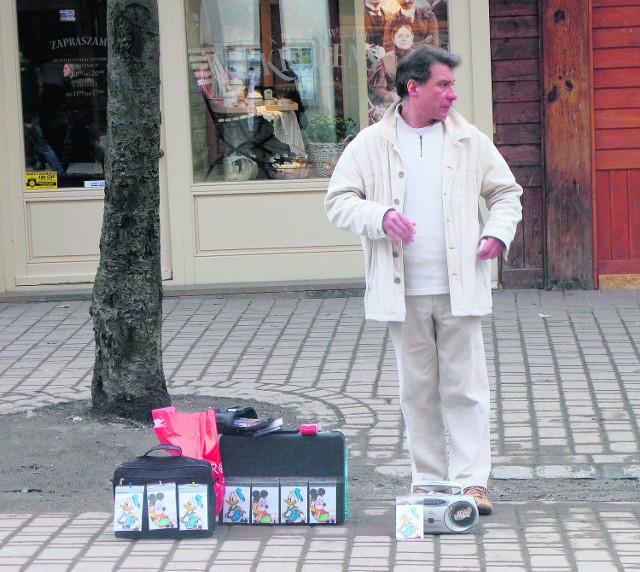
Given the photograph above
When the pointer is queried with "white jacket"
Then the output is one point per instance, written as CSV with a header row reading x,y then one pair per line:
x,y
369,180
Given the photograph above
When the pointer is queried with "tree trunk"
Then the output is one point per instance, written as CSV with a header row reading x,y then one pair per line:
x,y
128,378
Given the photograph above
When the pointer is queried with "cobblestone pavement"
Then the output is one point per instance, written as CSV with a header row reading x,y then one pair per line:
x,y
565,371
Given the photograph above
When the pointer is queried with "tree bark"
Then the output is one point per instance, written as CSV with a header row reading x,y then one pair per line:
x,y
128,377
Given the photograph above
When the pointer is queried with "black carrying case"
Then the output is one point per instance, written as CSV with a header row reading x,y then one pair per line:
x,y
152,470
289,454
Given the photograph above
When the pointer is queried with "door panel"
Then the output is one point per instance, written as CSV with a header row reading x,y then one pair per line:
x,y
616,77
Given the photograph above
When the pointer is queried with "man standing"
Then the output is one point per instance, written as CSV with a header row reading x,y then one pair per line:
x,y
375,20
409,186
38,151
441,12
423,23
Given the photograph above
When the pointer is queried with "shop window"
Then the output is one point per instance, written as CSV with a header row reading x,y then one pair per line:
x,y
262,74
279,86
63,76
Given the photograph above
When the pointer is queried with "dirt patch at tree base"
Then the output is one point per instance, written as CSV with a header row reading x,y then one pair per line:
x,y
61,458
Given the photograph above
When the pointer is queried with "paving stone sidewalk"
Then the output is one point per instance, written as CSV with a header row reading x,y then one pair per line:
x,y
565,371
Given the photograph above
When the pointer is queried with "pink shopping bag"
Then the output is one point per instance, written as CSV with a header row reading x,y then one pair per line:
x,y
197,435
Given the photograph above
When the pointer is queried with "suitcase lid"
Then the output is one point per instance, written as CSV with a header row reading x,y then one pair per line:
x,y
284,453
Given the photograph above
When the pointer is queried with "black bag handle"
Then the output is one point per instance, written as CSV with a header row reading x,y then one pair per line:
x,y
164,447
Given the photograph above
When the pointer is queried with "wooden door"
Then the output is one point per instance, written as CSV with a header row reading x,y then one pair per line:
x,y
515,70
616,81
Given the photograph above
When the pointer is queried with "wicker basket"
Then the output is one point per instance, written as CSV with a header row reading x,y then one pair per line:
x,y
324,156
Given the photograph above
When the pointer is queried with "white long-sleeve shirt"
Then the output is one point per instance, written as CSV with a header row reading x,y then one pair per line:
x,y
425,259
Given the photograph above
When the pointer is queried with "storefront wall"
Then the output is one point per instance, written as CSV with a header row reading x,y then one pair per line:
x,y
215,231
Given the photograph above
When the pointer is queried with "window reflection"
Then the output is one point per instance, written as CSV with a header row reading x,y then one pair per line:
x,y
63,64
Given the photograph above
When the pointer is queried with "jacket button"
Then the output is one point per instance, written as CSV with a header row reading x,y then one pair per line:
x,y
396,201
395,254
401,174
397,280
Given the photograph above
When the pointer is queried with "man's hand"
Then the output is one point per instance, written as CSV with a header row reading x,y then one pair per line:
x,y
398,227
490,247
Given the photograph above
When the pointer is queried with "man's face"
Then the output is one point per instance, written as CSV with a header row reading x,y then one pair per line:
x,y
406,4
435,97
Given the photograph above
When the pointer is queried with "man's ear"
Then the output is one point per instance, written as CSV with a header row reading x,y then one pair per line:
x,y
412,86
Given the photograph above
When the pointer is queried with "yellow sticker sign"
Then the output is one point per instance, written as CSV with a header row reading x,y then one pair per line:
x,y
39,180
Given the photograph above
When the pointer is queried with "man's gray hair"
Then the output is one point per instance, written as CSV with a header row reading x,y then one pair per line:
x,y
416,65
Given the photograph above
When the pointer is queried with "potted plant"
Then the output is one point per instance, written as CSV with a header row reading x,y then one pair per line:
x,y
328,136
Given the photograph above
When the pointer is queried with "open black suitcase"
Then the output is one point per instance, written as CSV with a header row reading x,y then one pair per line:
x,y
301,478
164,496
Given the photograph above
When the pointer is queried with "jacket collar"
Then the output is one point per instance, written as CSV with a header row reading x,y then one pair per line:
x,y
455,126
409,13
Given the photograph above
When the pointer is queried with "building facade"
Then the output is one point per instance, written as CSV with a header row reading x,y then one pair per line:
x,y
248,88
243,85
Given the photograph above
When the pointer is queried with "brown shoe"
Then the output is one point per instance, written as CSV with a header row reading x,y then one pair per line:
x,y
480,495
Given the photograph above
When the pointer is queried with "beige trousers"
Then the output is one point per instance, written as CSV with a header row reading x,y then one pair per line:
x,y
444,391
